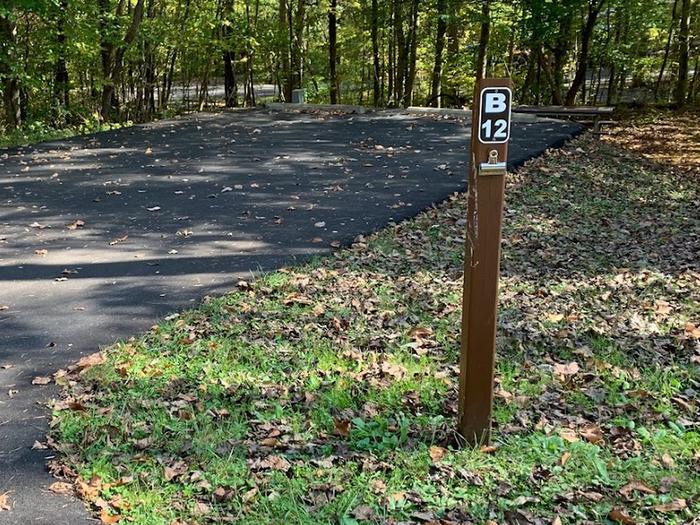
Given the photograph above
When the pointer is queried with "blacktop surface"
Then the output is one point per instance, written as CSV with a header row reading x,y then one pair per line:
x,y
102,235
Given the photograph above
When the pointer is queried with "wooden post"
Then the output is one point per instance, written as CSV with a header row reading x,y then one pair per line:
x,y
489,152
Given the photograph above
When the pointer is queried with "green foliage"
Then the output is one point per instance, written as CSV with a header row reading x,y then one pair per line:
x,y
181,44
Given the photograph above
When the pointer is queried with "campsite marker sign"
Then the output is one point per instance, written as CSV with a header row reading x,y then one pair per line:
x,y
487,170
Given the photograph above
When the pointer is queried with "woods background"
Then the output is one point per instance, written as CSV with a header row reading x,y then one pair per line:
x,y
76,62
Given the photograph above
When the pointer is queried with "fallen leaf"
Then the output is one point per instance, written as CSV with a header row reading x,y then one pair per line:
x,y
363,512
566,369
569,435
5,501
61,487
555,318
564,459
248,496
78,223
620,516
638,486
592,433
38,445
342,427
673,506
118,240
437,453
109,519
667,460
39,380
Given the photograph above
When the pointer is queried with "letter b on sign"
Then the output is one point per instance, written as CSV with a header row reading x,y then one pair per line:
x,y
494,115
494,102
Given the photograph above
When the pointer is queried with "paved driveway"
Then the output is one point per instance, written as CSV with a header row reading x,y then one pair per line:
x,y
101,235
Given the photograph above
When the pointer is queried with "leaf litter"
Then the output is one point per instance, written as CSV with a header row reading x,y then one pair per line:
x,y
330,390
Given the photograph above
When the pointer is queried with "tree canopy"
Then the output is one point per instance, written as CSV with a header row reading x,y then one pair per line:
x,y
66,60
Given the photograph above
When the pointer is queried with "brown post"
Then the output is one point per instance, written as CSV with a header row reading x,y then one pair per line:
x,y
489,153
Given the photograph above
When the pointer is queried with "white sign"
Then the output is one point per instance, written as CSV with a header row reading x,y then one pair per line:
x,y
494,115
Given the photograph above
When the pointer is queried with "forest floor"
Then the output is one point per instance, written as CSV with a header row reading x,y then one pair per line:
x,y
327,393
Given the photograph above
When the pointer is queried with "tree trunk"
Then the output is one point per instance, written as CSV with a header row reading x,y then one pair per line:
x,y
11,85
61,80
484,34
692,89
297,28
412,55
594,7
285,46
333,50
560,55
681,89
376,89
113,56
449,87
667,51
250,60
400,76
436,84
230,84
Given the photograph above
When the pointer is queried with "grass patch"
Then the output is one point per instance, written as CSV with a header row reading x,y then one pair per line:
x,y
327,393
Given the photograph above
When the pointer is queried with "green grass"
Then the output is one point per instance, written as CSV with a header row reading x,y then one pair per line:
x,y
327,393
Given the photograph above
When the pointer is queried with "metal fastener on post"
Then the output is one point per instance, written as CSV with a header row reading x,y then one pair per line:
x,y
487,170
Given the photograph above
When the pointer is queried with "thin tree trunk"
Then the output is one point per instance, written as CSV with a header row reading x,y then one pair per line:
x,y
230,84
692,89
376,89
333,50
61,80
436,83
11,85
412,55
667,51
113,56
400,77
284,33
594,7
681,89
484,34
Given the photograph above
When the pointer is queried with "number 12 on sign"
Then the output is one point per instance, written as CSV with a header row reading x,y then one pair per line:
x,y
494,117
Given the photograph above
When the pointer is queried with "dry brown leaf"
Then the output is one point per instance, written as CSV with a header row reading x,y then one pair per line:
x,y
60,487
592,433
89,361
342,427
437,453
109,519
620,516
5,501
250,495
363,512
566,369
421,332
39,380
569,435
638,486
667,460
672,506
78,223
564,459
